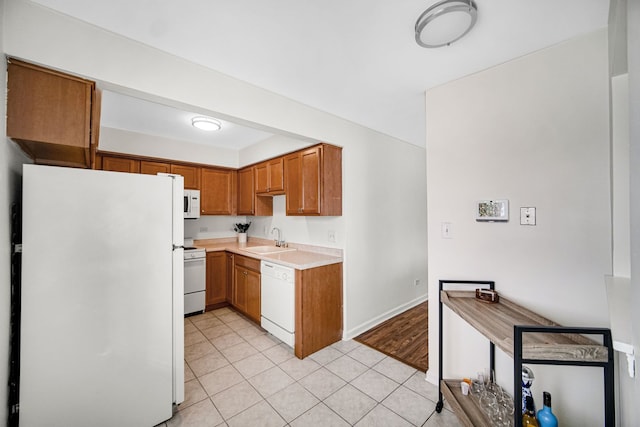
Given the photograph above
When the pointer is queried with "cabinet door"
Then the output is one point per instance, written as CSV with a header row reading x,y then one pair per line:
x,y
302,171
276,175
119,164
230,276
216,291
217,195
270,177
313,181
154,168
253,295
293,180
310,177
262,178
240,288
191,175
49,114
246,193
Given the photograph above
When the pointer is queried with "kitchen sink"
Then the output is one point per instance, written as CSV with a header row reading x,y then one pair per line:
x,y
265,250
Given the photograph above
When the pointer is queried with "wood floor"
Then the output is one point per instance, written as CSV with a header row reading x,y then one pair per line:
x,y
403,337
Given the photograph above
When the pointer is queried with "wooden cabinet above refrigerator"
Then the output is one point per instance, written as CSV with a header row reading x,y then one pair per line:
x,y
52,116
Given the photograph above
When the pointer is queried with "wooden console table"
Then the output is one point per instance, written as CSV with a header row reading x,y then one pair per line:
x,y
525,336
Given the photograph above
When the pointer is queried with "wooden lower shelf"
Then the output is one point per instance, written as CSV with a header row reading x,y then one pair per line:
x,y
467,408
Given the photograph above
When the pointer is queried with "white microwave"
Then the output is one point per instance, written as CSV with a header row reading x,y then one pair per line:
x,y
192,203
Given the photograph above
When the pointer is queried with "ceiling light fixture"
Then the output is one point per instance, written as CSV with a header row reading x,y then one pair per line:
x,y
445,22
206,123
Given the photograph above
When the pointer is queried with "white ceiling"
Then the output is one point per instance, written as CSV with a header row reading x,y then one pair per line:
x,y
356,59
133,114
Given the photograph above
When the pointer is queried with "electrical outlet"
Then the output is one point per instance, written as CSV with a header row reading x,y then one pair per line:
x,y
204,229
331,236
416,282
266,230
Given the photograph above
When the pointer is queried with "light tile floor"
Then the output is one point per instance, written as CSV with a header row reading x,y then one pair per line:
x,y
238,375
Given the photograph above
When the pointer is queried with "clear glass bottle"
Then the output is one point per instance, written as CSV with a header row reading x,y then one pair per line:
x,y
546,418
529,416
527,380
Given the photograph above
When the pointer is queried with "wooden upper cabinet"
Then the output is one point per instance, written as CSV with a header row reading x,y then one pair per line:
x,y
246,192
51,114
270,177
191,175
313,180
154,168
120,164
249,203
217,191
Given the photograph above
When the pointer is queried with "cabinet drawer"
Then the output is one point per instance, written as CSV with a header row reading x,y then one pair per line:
x,y
246,262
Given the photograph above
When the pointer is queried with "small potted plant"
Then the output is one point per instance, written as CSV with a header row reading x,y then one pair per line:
x,y
241,228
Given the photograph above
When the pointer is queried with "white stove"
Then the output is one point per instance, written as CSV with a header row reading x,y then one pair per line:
x,y
195,269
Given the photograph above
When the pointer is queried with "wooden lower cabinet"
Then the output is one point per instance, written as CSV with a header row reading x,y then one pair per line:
x,y
230,276
318,312
216,290
246,286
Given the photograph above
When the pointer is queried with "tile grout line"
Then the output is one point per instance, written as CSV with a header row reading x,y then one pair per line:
x,y
321,365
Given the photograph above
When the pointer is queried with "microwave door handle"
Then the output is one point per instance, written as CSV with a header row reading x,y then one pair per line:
x,y
186,203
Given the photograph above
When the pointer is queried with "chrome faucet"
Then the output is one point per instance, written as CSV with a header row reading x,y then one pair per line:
x,y
278,241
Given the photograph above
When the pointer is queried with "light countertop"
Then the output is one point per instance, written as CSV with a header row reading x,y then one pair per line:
x,y
304,257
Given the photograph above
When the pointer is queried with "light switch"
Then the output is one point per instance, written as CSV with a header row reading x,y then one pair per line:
x,y
447,232
527,216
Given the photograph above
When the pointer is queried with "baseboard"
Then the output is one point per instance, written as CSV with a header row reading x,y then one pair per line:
x,y
432,376
364,327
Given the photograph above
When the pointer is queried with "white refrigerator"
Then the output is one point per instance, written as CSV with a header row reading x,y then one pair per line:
x,y
102,332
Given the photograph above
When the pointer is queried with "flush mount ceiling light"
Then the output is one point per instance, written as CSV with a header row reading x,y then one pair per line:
x,y
206,123
445,22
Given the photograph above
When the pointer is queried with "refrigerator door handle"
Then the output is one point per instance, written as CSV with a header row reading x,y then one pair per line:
x,y
177,247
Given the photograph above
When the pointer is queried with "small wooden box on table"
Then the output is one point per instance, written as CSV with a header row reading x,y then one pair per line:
x,y
525,336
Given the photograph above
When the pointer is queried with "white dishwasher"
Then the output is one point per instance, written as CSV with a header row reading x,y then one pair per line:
x,y
278,301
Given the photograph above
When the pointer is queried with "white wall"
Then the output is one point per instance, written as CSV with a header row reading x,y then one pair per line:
x,y
633,50
11,160
384,191
272,147
534,131
620,175
128,142
624,19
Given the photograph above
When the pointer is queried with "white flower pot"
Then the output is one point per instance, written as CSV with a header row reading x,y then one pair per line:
x,y
242,237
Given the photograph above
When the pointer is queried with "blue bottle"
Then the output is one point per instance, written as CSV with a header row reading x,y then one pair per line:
x,y
545,416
